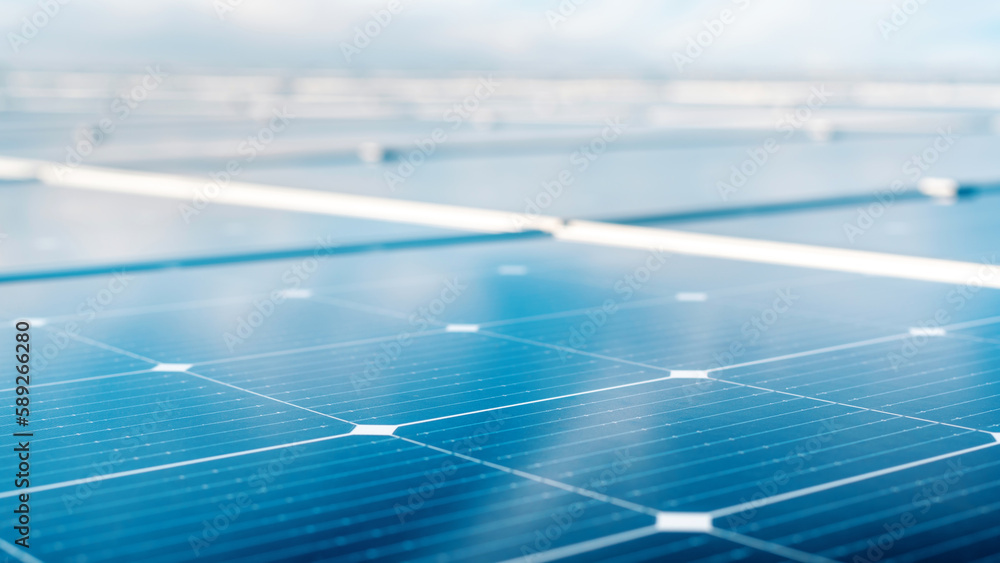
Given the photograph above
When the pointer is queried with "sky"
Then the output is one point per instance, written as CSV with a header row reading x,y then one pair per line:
x,y
759,38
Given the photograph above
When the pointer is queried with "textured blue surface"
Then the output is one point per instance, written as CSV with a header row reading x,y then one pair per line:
x,y
941,510
695,448
335,501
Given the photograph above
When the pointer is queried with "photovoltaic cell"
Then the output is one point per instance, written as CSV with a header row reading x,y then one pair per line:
x,y
419,377
350,499
136,421
942,379
690,447
943,509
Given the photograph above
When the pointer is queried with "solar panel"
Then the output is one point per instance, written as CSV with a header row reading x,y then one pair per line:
x,y
417,376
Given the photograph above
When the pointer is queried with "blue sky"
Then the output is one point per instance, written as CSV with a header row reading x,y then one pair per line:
x,y
633,37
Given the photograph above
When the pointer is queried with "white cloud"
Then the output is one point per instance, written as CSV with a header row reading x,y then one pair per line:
x,y
600,36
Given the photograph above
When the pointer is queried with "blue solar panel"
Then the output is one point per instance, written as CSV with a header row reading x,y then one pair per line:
x,y
214,390
603,415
